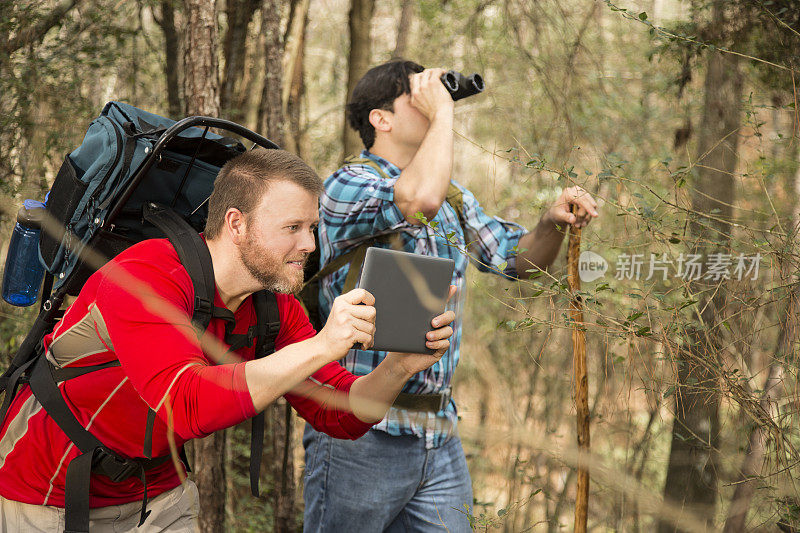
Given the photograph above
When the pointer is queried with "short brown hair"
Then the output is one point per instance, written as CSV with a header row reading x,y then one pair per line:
x,y
242,182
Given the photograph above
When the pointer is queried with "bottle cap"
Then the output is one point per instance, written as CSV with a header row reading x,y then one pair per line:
x,y
31,214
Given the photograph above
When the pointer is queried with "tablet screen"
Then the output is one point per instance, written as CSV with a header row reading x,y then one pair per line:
x,y
409,289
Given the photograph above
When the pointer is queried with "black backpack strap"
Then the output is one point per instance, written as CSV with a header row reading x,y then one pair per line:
x,y
10,385
69,372
76,490
193,254
28,349
148,444
95,457
256,451
268,324
148,433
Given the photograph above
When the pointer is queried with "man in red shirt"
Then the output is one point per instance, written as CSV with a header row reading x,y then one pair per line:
x,y
137,309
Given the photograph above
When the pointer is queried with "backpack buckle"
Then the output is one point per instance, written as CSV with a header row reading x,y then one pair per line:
x,y
201,305
112,465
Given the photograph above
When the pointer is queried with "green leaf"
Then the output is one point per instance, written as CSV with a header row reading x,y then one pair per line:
x,y
502,266
643,15
509,324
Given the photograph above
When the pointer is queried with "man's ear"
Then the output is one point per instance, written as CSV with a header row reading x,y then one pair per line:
x,y
381,119
235,225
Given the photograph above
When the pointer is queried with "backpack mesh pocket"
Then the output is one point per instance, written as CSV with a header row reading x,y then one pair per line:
x,y
65,195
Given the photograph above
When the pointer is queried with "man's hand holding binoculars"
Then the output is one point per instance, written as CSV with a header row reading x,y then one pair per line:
x,y
428,93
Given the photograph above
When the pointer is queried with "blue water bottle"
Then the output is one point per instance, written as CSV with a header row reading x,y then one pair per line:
x,y
23,274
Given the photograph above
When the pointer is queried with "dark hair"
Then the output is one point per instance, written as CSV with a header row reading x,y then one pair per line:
x,y
378,89
242,182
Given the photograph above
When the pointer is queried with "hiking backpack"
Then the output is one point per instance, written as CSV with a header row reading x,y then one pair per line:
x,y
136,176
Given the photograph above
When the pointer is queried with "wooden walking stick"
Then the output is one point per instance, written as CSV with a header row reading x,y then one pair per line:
x,y
581,380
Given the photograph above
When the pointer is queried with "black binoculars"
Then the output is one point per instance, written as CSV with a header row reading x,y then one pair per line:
x,y
460,86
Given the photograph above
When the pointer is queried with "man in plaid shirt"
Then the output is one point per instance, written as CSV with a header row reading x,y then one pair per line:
x,y
409,471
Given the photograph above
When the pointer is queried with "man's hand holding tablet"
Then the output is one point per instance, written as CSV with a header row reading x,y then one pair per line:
x,y
350,322
437,339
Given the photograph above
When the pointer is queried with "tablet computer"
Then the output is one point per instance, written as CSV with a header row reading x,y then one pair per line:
x,y
409,289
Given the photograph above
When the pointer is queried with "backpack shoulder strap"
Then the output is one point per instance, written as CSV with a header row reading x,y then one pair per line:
x,y
268,325
454,195
193,254
94,457
456,200
366,161
268,322
196,259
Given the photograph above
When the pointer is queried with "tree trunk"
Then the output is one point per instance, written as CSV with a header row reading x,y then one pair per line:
x,y
294,78
279,456
270,110
278,448
403,28
171,63
201,69
773,387
751,467
201,88
359,23
240,14
692,470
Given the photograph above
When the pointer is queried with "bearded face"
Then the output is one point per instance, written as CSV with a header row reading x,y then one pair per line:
x,y
277,237
274,272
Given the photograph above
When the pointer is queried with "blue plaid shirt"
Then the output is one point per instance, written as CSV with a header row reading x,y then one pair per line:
x,y
358,205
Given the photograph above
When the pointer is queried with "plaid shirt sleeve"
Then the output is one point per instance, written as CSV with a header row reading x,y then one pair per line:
x,y
491,240
357,204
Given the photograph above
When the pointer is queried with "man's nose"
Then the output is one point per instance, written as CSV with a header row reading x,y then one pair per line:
x,y
309,243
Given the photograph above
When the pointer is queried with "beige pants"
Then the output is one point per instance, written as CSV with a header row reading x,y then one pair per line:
x,y
174,511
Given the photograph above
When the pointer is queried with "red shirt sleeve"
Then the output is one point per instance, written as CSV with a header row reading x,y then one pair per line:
x,y
328,410
145,309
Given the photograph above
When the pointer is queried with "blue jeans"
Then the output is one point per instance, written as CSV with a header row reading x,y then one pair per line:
x,y
384,483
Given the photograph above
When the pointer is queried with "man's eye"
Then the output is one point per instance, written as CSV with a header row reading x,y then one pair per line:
x,y
293,227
